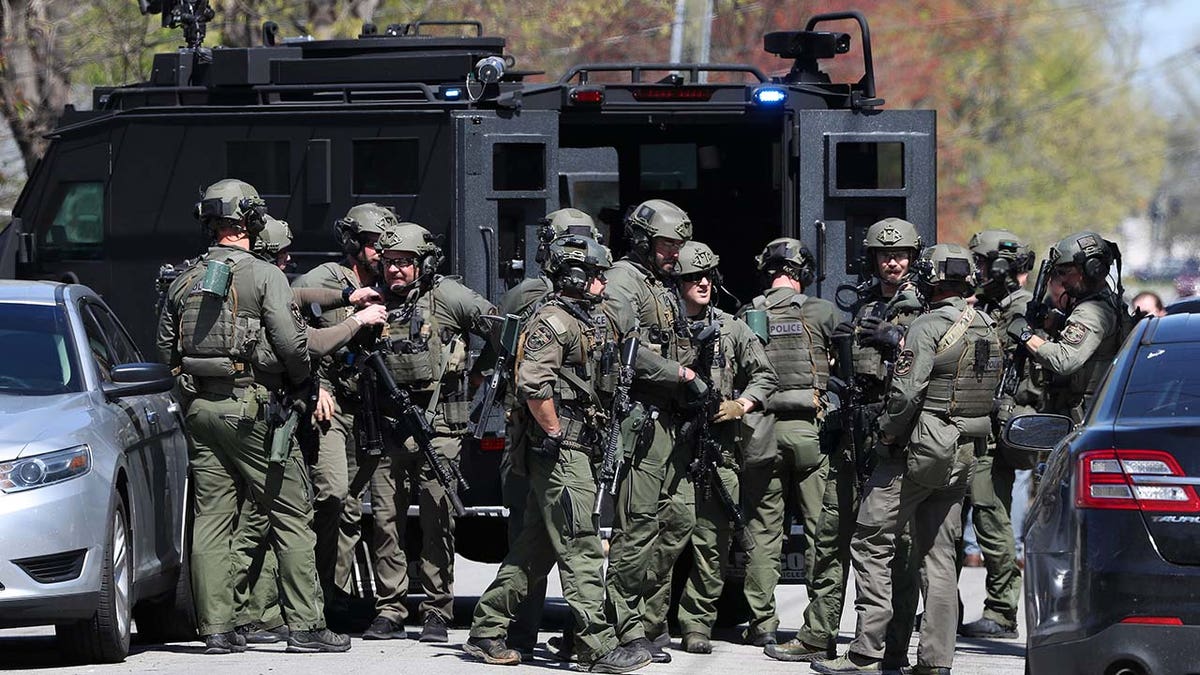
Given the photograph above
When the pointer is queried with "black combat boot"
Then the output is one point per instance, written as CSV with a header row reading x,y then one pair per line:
x,y
224,643
656,653
383,628
434,629
696,643
255,634
622,659
492,650
323,640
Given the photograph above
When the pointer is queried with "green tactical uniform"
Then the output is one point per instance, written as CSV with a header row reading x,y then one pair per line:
x,y
801,330
1076,360
237,352
740,369
428,330
559,358
939,403
336,512
990,494
835,528
521,300
654,514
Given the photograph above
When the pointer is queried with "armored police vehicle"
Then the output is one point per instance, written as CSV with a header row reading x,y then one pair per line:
x,y
437,122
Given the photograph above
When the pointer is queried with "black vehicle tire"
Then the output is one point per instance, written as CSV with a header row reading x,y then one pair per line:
x,y
104,638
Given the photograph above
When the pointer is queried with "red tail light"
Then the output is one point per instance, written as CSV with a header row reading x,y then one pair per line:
x,y
1154,620
491,444
1143,480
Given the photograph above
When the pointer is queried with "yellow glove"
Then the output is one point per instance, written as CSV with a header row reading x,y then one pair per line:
x,y
730,410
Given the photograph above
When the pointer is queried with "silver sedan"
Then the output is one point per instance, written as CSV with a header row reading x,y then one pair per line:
x,y
93,476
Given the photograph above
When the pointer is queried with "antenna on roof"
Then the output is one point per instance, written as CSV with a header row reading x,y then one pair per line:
x,y
192,15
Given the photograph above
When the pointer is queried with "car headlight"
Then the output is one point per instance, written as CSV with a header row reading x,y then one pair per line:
x,y
42,470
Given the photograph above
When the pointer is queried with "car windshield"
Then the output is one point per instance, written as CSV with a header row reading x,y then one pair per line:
x,y
1164,382
37,356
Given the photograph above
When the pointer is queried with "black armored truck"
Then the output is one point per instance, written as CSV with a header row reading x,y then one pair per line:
x,y
435,120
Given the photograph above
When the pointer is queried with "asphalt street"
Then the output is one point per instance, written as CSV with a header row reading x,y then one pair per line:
x,y
33,648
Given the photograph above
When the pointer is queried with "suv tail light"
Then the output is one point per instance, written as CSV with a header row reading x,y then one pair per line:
x,y
1146,480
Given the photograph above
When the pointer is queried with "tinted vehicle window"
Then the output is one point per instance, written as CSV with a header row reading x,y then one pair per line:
x,y
1164,382
386,166
78,224
46,363
98,346
119,344
263,164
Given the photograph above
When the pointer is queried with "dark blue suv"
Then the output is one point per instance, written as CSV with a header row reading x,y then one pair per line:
x,y
1112,539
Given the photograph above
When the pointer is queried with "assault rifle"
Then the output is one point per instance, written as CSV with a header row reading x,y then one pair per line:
x,y
487,416
614,454
411,423
1035,314
698,430
851,412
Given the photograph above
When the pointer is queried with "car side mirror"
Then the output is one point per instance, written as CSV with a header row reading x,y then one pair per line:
x,y
137,379
1037,432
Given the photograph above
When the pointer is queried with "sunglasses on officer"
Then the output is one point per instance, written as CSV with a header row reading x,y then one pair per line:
x,y
400,262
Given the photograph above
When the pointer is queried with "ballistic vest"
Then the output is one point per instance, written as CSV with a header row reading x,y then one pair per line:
x,y
967,368
798,352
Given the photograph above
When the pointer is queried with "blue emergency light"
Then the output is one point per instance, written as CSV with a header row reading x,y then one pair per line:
x,y
769,95
452,93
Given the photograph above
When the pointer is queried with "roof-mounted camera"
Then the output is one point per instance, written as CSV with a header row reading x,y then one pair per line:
x,y
806,44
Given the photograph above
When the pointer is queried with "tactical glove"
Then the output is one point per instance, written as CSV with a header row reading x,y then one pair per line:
x,y
694,390
1016,328
549,446
843,329
879,333
730,409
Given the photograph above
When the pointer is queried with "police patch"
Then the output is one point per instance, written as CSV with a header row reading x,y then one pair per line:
x,y
1074,333
904,362
298,316
539,338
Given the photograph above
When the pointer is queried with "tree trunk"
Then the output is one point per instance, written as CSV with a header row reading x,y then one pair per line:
x,y
322,15
33,79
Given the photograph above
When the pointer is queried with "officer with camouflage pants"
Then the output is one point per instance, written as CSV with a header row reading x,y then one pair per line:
x,y
800,333
1004,261
743,376
521,300
231,325
429,318
653,516
938,406
557,378
1076,359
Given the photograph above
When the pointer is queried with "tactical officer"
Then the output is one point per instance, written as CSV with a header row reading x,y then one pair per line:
x,y
888,305
800,334
429,319
652,516
740,374
521,300
336,511
939,403
558,378
256,571
1004,261
231,325
1077,356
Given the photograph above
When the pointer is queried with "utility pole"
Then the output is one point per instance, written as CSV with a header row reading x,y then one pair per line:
x,y
677,31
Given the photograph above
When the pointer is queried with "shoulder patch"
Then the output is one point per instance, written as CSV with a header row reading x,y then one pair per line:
x,y
904,362
298,316
556,323
1074,333
541,336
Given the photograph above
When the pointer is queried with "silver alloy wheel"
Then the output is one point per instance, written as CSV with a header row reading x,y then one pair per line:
x,y
121,573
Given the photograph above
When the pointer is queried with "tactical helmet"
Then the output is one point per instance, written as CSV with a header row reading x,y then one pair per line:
x,y
892,233
368,218
276,236
561,222
232,200
1089,250
788,256
574,260
1000,256
949,264
656,218
696,257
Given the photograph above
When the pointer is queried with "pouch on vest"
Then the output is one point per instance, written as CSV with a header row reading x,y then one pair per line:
x,y
757,439
633,427
793,402
210,366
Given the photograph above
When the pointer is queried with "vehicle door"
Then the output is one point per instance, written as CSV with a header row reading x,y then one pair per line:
x,y
508,182
856,168
153,442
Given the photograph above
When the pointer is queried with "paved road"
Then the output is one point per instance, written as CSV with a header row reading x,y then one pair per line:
x,y
33,648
